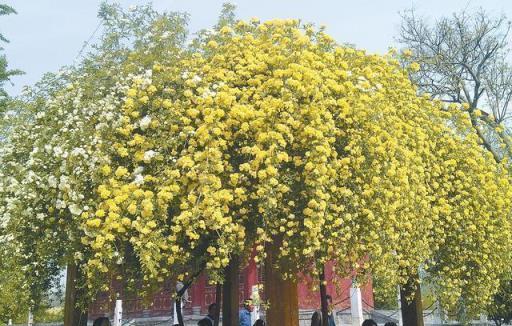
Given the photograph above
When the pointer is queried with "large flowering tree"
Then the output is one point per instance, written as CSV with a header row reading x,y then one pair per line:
x,y
271,136
266,136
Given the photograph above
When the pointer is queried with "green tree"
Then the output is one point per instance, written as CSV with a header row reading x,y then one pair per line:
x,y
5,72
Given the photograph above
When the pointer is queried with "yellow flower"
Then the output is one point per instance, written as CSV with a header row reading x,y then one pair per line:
x,y
106,170
414,66
131,92
94,223
121,171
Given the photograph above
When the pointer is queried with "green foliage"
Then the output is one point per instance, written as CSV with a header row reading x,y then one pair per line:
x,y
500,309
5,72
227,15
384,295
13,299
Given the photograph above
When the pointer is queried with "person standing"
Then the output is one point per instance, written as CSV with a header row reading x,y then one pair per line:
x,y
316,319
184,298
245,313
330,314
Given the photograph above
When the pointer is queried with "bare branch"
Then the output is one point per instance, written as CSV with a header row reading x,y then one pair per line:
x,y
462,60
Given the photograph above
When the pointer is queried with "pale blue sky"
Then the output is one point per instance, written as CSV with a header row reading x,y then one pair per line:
x,y
47,34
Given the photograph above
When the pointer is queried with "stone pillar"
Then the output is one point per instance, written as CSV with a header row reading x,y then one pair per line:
x,y
399,316
30,321
255,314
356,306
251,277
118,313
251,287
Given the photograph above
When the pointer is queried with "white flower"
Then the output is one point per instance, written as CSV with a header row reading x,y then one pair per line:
x,y
58,151
74,209
144,122
139,179
207,92
78,151
52,181
79,256
64,183
60,204
148,155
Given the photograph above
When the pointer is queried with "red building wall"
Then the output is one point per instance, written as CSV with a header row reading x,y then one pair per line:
x,y
201,294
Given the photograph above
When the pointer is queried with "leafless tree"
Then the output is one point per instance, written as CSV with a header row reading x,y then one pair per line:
x,y
463,59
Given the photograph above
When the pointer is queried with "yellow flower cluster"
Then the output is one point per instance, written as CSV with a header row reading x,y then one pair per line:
x,y
271,132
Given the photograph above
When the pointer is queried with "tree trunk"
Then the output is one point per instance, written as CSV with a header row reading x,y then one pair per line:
x,y
323,297
281,294
412,311
218,302
230,297
73,315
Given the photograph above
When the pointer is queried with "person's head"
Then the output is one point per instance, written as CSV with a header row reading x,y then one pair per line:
x,y
102,321
212,309
369,322
248,304
390,323
259,322
329,299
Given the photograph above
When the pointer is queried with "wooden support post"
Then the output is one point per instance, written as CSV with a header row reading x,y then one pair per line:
x,y
218,302
281,294
412,310
230,296
73,315
323,297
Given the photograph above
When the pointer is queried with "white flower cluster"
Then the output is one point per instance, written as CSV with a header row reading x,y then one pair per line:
x,y
48,165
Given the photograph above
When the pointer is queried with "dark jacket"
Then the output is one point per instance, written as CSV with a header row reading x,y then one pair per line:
x,y
206,321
